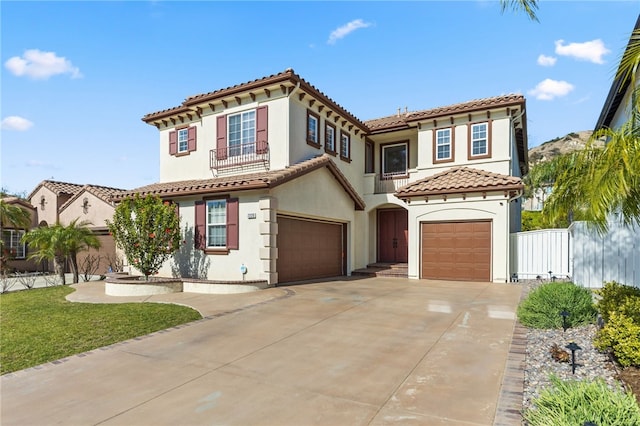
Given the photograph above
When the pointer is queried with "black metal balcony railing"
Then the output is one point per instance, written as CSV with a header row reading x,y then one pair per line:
x,y
253,154
389,182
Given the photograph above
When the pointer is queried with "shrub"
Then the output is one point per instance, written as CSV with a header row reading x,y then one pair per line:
x,y
622,336
613,296
542,307
573,403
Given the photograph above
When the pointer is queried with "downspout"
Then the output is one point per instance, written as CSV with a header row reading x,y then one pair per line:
x,y
295,89
517,196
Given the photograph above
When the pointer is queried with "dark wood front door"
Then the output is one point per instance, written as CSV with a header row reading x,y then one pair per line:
x,y
392,236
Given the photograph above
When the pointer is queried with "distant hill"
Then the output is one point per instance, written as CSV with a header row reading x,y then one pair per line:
x,y
574,141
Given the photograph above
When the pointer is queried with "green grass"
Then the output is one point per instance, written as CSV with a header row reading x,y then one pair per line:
x,y
39,325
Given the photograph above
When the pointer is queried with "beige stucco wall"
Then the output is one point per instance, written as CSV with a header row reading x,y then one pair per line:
x,y
49,213
96,213
495,208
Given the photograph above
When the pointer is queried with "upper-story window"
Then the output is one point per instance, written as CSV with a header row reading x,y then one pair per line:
x,y
242,133
313,129
394,160
183,140
330,138
479,141
443,145
345,146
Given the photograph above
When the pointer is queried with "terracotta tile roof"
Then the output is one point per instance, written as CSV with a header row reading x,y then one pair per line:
x,y
460,180
287,75
403,119
16,200
57,187
262,180
104,193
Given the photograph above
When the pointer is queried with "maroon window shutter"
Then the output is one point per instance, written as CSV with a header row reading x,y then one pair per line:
x,y
200,233
232,224
173,142
191,139
221,138
262,123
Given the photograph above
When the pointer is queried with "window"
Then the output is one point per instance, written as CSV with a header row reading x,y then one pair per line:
x,y
11,239
313,129
242,133
368,157
345,146
183,140
217,223
443,145
394,160
479,141
330,138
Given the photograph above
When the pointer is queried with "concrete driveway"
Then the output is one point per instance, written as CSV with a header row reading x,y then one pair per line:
x,y
371,351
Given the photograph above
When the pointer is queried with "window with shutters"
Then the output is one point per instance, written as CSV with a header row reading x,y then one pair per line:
x,y
216,229
182,141
242,133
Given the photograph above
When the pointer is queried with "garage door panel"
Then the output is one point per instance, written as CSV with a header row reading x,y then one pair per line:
x,y
308,249
456,250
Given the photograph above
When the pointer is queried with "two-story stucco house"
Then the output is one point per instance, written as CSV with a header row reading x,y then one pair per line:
x,y
275,179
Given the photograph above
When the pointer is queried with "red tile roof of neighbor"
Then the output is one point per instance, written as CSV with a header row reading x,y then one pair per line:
x,y
401,120
262,180
460,180
59,188
17,200
104,193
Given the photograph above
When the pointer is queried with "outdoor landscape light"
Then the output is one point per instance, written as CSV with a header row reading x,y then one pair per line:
x,y
564,314
573,347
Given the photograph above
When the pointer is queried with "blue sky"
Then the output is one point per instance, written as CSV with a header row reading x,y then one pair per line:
x,y
78,76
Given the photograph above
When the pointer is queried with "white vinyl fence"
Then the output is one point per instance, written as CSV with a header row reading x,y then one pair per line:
x,y
580,253
544,253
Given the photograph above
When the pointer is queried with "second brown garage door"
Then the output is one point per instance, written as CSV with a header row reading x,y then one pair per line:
x,y
308,249
458,251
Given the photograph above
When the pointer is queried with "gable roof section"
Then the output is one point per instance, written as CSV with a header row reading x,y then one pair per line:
x,y
190,104
263,180
616,93
460,180
104,193
19,201
57,188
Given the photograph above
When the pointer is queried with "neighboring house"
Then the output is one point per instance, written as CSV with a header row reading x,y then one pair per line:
x,y
13,248
63,202
274,178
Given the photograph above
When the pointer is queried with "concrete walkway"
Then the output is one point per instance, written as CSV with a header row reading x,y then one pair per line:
x,y
372,351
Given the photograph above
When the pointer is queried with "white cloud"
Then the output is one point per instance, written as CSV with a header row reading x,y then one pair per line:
x,y
546,61
41,65
549,89
40,164
347,29
591,51
13,122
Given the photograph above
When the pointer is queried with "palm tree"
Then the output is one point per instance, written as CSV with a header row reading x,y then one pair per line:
x,y
60,242
528,6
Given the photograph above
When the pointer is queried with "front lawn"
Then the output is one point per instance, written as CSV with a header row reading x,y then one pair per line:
x,y
39,325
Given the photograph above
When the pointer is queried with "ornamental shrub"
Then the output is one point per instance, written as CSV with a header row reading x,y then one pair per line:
x,y
622,336
147,230
542,307
613,296
574,403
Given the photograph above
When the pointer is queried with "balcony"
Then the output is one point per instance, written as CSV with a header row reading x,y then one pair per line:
x,y
244,157
386,183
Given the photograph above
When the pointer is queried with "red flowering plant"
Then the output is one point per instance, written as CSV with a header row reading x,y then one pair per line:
x,y
147,230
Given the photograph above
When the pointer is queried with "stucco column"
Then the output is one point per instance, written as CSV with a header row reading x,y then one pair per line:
x,y
268,234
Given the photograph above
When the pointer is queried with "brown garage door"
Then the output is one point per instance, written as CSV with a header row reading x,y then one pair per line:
x,y
308,249
456,251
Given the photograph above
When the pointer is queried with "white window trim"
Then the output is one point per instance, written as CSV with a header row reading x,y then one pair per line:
x,y
247,149
11,246
221,224
347,137
185,141
486,139
328,129
316,134
438,144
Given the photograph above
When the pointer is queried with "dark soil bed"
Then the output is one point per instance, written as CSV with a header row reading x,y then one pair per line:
x,y
630,376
